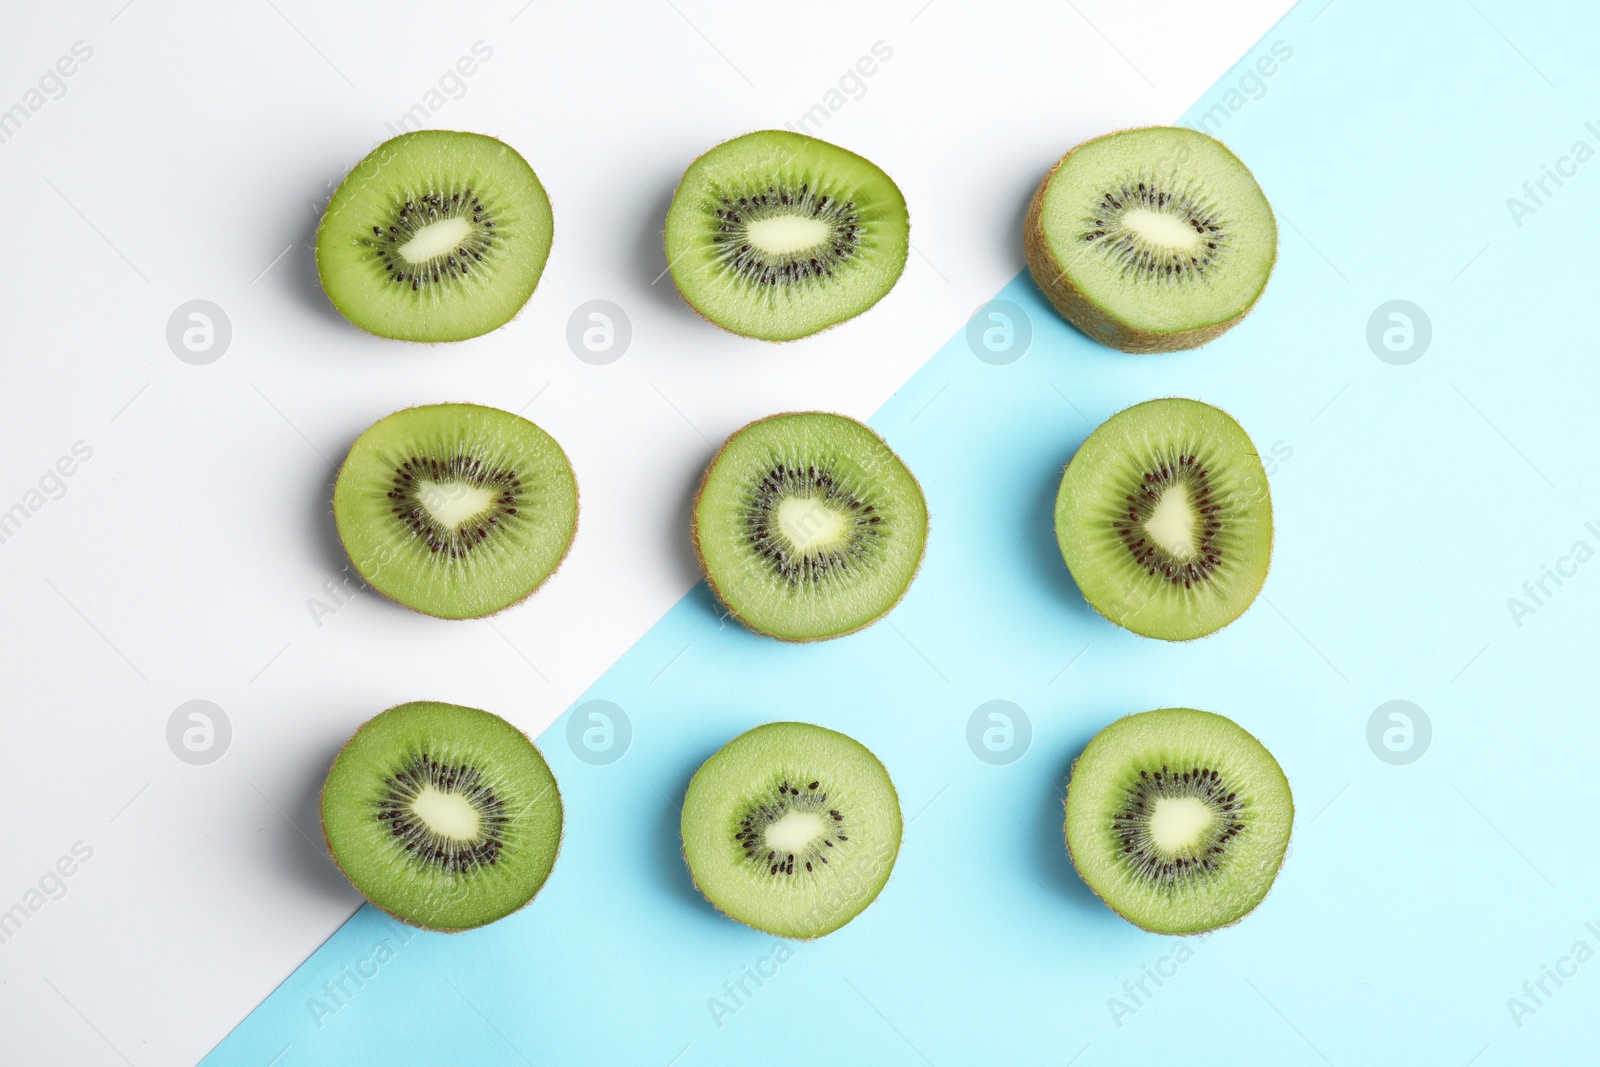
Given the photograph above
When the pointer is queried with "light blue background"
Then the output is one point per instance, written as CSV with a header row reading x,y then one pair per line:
x,y
1412,502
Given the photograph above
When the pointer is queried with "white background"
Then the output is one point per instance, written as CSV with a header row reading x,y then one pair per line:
x,y
188,158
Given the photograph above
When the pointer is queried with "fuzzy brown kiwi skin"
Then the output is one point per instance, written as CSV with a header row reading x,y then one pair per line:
x,y
322,822
737,333
1051,278
577,517
699,555
1165,933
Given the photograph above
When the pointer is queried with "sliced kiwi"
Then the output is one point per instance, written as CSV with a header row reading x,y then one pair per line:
x,y
791,828
1178,819
1151,240
435,236
443,816
808,526
1165,519
776,235
456,510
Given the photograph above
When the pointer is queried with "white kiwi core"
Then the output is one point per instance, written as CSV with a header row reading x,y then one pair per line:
x,y
780,235
1172,524
794,831
435,239
447,814
1177,823
453,503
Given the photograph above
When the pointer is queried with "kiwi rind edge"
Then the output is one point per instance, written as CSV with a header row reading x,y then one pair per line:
x,y
1078,309
327,845
1169,933
694,536
577,516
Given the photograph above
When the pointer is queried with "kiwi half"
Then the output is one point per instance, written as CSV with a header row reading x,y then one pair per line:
x,y
775,235
808,526
1165,519
435,236
1178,819
1151,240
443,816
456,510
791,828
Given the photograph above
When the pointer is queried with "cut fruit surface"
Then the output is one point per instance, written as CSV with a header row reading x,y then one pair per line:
x,y
1178,819
1165,519
1151,240
435,236
443,816
456,510
808,526
776,235
791,828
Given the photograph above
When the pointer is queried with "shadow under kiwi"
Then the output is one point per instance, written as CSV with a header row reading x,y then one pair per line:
x,y
1041,549
300,269
685,563
666,841
649,249
1051,862
299,849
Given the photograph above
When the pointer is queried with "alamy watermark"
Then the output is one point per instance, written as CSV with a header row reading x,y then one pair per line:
x,y
336,593
1137,992
737,992
337,992
451,85
51,485
199,732
1399,732
599,332
999,732
999,332
1399,332
1537,192
1537,992
599,732
51,85
851,85
1251,85
49,886
199,332
1539,591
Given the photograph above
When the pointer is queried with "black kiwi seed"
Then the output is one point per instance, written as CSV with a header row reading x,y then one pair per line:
x,y
1185,471
405,784
763,811
1131,824
1140,259
407,220
762,533
411,509
757,268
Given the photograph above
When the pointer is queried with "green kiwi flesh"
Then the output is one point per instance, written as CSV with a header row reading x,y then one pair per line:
x,y
1151,240
1165,520
445,817
808,526
791,828
1178,819
776,235
435,236
456,510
